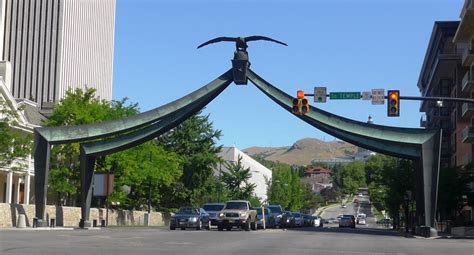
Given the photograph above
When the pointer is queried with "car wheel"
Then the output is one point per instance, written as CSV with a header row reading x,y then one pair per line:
x,y
247,225
253,226
183,228
208,227
199,225
220,227
172,228
229,228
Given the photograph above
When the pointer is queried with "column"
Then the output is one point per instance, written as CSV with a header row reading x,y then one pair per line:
x,y
26,192
9,187
16,199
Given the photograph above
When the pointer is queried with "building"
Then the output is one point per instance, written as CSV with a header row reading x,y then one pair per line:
x,y
448,71
318,178
46,48
17,180
441,76
261,175
55,45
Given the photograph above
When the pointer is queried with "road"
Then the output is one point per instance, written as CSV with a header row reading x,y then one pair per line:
x,y
353,209
328,241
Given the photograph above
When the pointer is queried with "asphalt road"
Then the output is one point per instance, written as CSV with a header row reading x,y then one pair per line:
x,y
328,241
353,209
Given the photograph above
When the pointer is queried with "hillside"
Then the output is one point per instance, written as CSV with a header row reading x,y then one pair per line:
x,y
303,151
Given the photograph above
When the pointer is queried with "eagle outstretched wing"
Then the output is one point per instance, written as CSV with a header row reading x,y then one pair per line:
x,y
218,39
264,38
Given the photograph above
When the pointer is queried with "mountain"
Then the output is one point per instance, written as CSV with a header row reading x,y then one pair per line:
x,y
304,151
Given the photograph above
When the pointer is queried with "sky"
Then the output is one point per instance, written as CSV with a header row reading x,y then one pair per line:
x,y
344,45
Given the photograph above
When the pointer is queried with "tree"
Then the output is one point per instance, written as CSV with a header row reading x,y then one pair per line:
x,y
453,185
236,180
194,141
77,108
14,143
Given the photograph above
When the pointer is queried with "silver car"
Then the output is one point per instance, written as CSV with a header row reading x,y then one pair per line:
x,y
213,210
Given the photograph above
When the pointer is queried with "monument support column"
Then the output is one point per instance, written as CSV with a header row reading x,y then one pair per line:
x,y
42,156
87,172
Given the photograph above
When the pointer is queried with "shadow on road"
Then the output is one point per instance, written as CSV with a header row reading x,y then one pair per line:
x,y
350,231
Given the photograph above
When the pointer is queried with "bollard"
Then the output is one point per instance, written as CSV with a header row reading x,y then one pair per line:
x,y
102,223
35,222
52,223
94,223
21,223
146,219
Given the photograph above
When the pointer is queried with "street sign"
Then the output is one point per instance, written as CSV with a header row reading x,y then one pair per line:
x,y
366,95
378,96
320,94
344,95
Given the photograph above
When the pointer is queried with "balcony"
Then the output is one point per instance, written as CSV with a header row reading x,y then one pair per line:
x,y
464,32
423,121
467,110
468,135
468,82
468,57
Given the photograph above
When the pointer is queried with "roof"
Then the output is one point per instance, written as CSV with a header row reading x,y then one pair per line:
x,y
318,170
33,115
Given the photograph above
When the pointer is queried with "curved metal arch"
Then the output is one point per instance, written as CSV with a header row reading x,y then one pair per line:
x,y
81,133
400,142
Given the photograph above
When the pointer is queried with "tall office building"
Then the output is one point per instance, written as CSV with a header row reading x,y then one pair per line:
x,y
56,45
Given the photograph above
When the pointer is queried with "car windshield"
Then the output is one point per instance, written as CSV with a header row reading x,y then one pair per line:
x,y
236,205
213,208
259,211
187,211
275,208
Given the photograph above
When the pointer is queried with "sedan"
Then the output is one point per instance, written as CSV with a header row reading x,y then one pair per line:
x,y
347,221
287,220
190,217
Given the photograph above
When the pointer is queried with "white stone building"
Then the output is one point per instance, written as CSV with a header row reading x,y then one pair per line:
x,y
260,174
15,186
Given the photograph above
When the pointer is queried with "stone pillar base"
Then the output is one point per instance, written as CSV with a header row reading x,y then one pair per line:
x,y
40,223
85,223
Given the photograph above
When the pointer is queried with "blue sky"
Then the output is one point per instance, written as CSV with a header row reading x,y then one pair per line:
x,y
344,45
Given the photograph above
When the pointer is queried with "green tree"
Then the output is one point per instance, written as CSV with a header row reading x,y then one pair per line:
x,y
77,108
236,180
14,143
194,141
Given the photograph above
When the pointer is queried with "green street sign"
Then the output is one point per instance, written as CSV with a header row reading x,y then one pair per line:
x,y
344,95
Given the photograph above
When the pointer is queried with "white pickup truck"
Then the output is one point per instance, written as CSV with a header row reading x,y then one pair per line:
x,y
237,213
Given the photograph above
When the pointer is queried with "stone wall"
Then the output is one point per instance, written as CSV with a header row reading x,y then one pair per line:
x,y
70,216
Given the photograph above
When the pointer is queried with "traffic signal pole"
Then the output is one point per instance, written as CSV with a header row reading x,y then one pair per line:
x,y
448,99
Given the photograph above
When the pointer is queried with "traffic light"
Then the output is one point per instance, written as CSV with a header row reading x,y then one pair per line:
x,y
296,105
304,106
393,106
300,103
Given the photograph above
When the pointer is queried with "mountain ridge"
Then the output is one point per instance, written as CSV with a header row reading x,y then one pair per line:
x,y
303,151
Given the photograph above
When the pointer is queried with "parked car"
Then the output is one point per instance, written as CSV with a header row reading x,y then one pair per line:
x,y
287,220
213,210
269,218
318,221
308,220
190,217
347,221
361,221
237,213
298,219
277,212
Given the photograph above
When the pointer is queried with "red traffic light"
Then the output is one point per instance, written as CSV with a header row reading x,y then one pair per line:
x,y
300,94
393,106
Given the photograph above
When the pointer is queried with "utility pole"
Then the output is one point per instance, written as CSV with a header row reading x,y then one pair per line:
x,y
149,192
